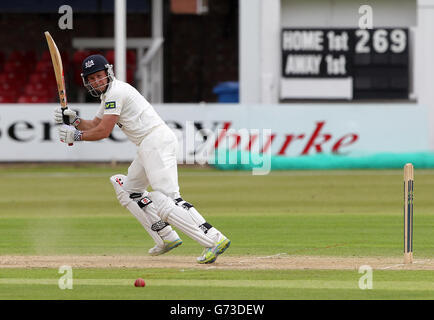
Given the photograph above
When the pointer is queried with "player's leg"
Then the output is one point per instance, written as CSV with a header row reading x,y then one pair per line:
x,y
160,164
222,242
166,209
155,225
159,161
181,218
136,184
136,180
157,155
164,237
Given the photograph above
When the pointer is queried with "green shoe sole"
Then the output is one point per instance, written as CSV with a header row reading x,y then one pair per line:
x,y
223,246
219,250
174,244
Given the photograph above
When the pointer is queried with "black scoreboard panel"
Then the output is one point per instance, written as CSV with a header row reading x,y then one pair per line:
x,y
376,59
380,64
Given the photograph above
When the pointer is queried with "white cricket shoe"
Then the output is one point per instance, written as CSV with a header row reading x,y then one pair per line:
x,y
168,245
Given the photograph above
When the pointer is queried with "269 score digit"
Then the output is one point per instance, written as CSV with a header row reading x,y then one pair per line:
x,y
382,40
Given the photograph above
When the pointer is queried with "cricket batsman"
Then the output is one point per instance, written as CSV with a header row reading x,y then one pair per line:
x,y
155,163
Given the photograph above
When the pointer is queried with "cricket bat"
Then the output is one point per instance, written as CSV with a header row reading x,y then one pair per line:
x,y
58,72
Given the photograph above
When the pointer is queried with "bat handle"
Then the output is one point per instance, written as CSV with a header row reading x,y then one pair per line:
x,y
66,121
65,117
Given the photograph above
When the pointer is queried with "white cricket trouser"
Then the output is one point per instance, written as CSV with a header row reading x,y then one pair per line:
x,y
155,164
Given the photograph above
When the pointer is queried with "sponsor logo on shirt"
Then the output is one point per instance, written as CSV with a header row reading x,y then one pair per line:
x,y
110,105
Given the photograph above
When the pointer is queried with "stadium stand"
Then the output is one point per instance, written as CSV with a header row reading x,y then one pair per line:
x,y
27,77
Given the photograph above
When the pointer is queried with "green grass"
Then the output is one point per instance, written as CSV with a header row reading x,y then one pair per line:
x,y
60,210
171,284
354,235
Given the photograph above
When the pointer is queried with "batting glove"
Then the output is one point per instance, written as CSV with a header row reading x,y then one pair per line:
x,y
71,114
69,134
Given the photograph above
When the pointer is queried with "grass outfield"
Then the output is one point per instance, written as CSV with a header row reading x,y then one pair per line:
x,y
67,210
170,284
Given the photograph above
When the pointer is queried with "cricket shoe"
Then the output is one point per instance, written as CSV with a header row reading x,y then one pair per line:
x,y
168,245
209,255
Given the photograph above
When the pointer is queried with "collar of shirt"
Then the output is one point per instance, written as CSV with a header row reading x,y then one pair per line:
x,y
102,96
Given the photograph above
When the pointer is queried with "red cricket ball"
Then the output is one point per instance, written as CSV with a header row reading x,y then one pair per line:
x,y
139,282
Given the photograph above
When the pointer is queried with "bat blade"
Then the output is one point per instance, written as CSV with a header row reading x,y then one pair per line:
x,y
58,69
56,59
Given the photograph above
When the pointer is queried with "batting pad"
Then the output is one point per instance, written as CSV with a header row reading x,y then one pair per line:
x,y
133,207
177,216
199,220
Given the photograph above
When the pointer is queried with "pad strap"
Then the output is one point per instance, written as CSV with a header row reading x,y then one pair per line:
x,y
205,227
160,225
135,195
186,205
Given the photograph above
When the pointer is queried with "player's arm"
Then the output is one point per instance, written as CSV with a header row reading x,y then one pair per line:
x,y
102,130
88,124
69,134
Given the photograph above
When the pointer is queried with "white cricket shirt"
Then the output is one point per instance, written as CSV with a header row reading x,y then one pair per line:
x,y
136,115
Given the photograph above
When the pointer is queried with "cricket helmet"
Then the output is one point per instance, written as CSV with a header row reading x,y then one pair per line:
x,y
92,64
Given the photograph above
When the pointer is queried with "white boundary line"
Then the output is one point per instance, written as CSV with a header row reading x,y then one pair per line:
x,y
231,283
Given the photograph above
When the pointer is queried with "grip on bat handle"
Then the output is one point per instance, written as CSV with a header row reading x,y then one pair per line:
x,y
66,121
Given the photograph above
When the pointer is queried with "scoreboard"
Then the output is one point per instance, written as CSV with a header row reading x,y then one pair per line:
x,y
351,64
